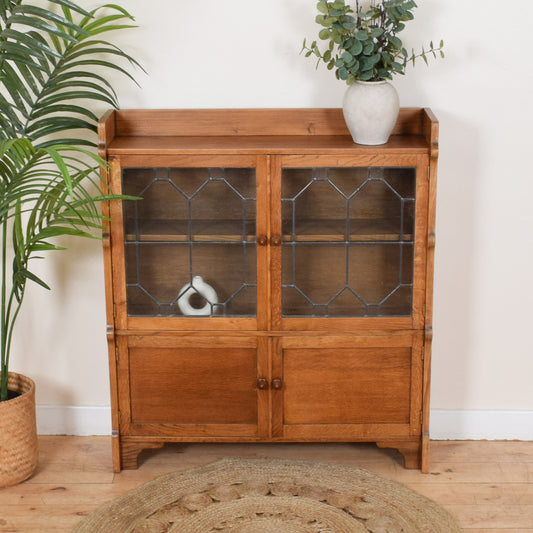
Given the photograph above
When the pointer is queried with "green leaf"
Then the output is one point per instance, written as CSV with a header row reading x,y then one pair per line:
x,y
45,247
367,75
336,36
324,34
347,57
112,28
361,35
40,15
18,52
64,108
58,231
105,21
62,167
397,67
30,42
357,48
71,5
395,42
322,7
24,274
350,26
373,60
343,73
368,49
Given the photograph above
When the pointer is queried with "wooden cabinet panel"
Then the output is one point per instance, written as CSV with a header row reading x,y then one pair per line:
x,y
343,387
347,386
193,385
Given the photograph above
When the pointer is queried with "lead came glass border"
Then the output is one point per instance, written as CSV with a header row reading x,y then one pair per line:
x,y
290,246
170,308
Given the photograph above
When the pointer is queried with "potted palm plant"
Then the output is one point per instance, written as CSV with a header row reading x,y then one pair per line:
x,y
51,63
365,51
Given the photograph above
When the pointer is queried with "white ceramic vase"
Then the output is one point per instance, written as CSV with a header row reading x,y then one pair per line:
x,y
370,110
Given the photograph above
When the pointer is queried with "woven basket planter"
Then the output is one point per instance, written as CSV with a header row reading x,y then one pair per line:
x,y
18,432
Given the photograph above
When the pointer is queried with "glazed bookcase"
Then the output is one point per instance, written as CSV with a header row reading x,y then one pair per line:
x,y
319,257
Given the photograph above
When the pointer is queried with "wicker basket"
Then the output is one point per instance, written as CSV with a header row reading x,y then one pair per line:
x,y
18,432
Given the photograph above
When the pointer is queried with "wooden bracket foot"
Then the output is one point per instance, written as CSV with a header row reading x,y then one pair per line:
x,y
410,449
130,450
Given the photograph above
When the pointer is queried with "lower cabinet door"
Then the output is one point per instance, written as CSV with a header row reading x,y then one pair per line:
x,y
344,388
197,386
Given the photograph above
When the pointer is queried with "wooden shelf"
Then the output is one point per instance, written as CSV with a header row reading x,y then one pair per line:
x,y
361,230
298,144
307,231
154,230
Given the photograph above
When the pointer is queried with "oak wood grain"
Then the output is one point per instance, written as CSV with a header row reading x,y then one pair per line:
x,y
248,122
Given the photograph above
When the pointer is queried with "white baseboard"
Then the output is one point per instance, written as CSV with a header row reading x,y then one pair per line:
x,y
445,424
73,420
481,425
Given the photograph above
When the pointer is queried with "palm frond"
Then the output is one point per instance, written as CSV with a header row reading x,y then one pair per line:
x,y
48,57
49,63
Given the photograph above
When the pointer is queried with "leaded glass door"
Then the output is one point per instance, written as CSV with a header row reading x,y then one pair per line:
x,y
190,241
348,236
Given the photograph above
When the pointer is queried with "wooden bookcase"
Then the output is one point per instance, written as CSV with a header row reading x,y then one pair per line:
x,y
320,253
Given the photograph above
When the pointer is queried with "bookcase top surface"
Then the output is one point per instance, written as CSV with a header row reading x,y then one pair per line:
x,y
254,131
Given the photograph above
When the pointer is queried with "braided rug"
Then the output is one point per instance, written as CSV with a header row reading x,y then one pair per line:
x,y
270,496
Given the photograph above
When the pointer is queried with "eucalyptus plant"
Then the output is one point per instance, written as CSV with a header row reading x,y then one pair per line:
x,y
364,43
52,65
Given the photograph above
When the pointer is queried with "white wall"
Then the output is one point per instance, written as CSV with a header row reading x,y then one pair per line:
x,y
225,54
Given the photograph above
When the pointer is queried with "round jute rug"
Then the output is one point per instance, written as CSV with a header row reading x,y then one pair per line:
x,y
270,496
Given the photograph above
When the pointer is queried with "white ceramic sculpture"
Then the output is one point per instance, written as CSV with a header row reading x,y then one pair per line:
x,y
198,286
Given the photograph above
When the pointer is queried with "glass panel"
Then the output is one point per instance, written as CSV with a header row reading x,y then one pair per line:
x,y
190,241
348,238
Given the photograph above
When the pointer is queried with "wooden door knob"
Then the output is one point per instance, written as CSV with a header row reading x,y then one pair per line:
x,y
262,240
277,384
275,240
262,384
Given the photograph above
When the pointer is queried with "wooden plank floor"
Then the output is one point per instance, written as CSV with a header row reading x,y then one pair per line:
x,y
487,486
